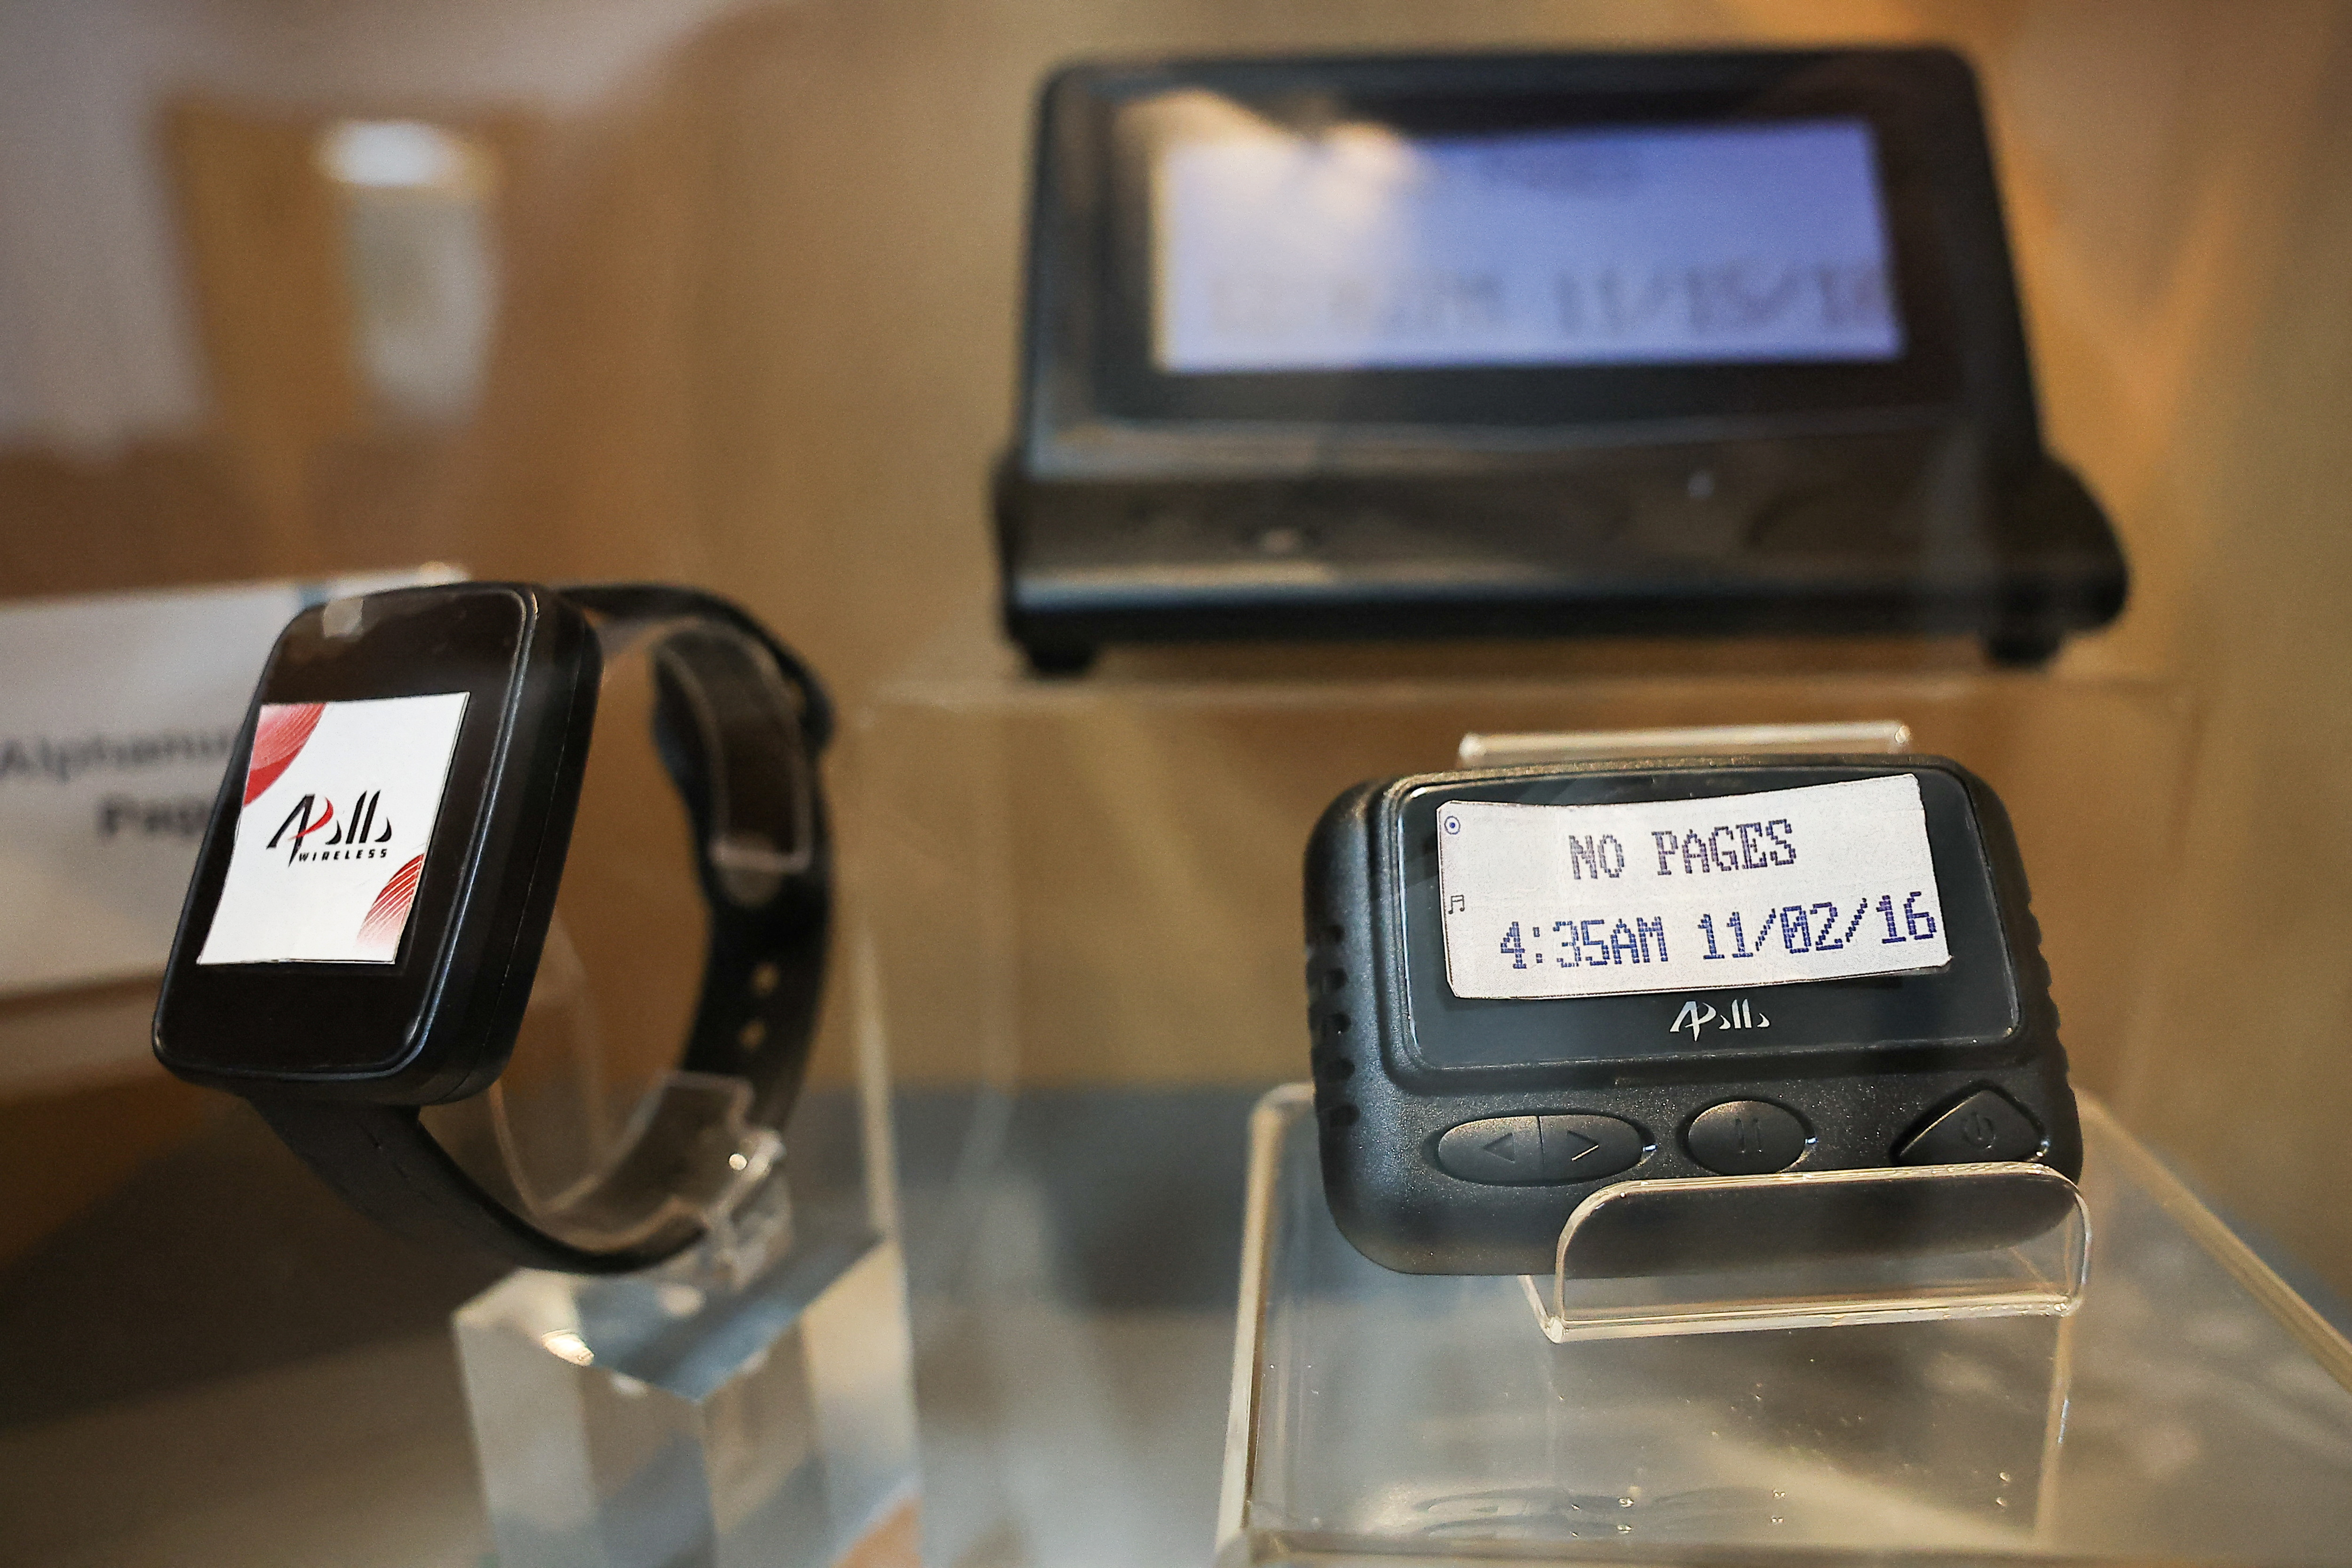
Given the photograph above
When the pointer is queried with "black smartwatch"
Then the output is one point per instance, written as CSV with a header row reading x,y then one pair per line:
x,y
1528,984
373,892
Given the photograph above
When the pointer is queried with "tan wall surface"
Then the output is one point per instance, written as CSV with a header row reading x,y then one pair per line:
x,y
825,206
760,335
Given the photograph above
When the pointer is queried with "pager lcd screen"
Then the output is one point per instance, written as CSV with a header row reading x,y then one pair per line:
x,y
1825,883
1360,248
1599,915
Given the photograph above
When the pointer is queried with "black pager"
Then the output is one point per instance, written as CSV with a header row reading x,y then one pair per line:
x,y
1528,984
1683,344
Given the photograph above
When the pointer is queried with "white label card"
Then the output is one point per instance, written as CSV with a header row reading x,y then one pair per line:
x,y
1818,883
339,802
117,713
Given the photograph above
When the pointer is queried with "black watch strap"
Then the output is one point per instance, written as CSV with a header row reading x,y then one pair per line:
x,y
739,722
381,1159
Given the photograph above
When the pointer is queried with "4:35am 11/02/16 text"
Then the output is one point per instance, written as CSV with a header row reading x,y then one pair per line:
x,y
1823,927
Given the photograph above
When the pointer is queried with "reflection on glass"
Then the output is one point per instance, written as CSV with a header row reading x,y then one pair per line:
x,y
420,260
616,988
1360,248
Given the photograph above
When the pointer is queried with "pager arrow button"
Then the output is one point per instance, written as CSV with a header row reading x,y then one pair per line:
x,y
1503,1151
1586,1147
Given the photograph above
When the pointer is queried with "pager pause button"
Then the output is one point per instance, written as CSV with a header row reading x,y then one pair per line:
x,y
1745,1138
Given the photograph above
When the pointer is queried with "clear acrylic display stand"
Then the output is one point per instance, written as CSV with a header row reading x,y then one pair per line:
x,y
1897,1373
1096,881
1882,1245
2191,1409
751,1401
747,1403
1599,1290
1871,1236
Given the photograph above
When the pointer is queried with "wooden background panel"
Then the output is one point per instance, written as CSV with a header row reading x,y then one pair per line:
x,y
760,332
2243,1074
264,250
801,244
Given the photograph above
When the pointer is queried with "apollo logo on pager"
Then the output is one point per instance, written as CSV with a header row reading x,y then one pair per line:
x,y
1738,1014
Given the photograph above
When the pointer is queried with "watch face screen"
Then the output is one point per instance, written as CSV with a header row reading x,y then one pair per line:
x,y
338,808
344,902
1357,247
1825,882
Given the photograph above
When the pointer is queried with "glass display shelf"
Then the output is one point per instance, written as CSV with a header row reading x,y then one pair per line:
x,y
2192,1409
1096,881
1082,898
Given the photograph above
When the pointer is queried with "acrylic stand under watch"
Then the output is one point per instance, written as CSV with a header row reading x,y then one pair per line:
x,y
749,1401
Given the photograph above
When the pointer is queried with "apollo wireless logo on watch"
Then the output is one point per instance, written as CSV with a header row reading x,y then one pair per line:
x,y
339,802
314,814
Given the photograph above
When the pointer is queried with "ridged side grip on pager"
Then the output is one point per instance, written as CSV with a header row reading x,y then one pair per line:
x,y
2037,1008
1372,1180
1338,956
